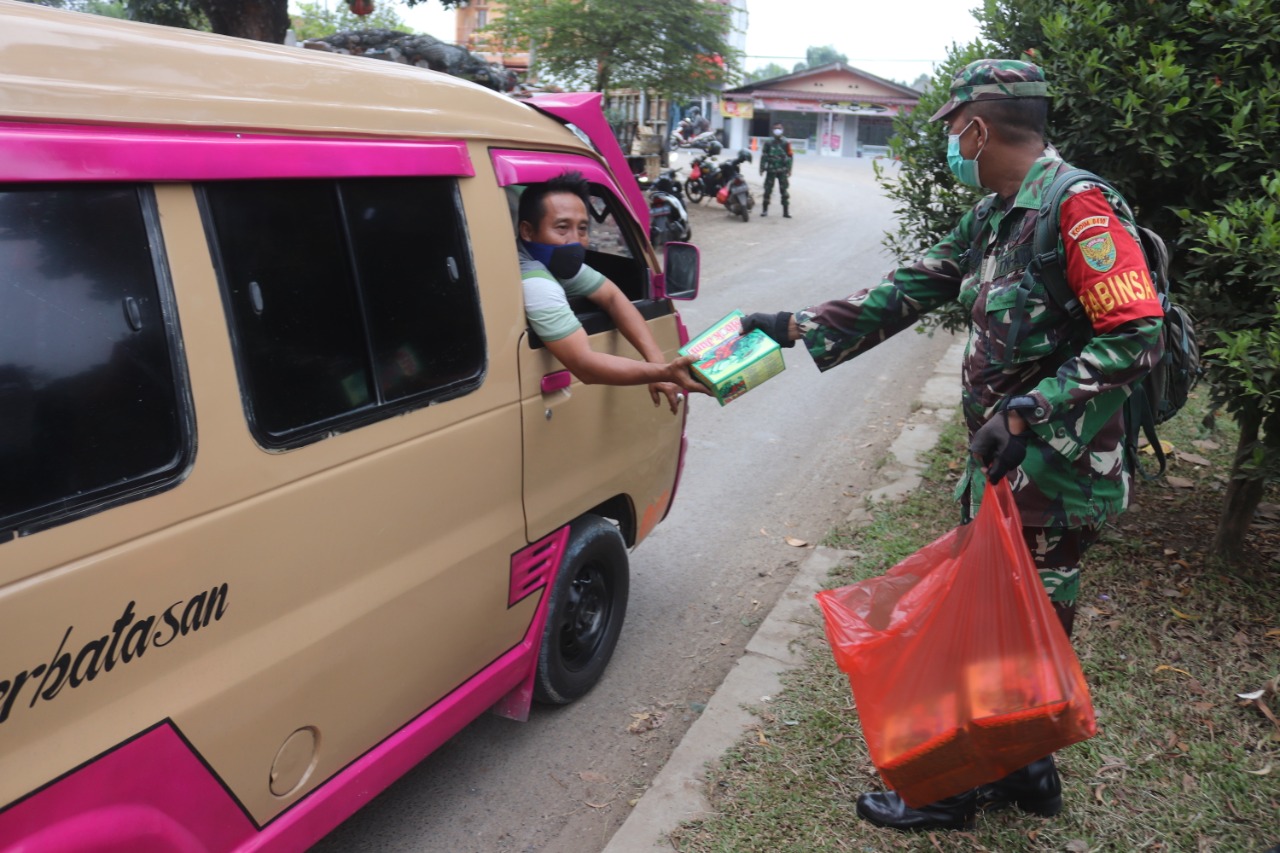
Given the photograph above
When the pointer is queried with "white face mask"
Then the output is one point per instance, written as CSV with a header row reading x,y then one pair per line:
x,y
777,133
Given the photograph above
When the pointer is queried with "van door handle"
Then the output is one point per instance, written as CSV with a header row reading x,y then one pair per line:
x,y
557,381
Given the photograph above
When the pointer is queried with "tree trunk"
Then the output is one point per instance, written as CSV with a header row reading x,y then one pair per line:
x,y
260,20
1242,498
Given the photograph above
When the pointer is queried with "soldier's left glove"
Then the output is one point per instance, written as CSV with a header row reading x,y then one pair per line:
x,y
776,326
1000,450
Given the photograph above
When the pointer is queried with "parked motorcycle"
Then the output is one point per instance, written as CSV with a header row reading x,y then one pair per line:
x,y
668,181
704,178
668,219
734,193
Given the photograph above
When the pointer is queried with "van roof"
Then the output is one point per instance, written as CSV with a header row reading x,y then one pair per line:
x,y
65,66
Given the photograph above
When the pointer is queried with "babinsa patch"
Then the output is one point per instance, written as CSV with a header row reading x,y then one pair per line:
x,y
1099,252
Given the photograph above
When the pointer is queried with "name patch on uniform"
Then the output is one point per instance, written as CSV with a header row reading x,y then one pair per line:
x,y
1105,266
1085,224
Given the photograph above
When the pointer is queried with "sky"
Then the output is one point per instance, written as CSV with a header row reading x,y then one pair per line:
x,y
893,39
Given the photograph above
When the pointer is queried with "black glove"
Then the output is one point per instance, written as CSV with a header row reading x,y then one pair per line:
x,y
999,450
776,326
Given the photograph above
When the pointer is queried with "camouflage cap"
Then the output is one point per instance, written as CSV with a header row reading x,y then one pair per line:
x,y
992,80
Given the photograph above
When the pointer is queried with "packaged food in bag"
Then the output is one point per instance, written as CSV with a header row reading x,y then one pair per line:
x,y
960,669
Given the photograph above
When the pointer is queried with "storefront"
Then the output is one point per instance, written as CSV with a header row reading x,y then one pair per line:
x,y
833,110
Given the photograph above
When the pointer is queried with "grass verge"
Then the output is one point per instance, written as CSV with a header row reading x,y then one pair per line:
x,y
1167,641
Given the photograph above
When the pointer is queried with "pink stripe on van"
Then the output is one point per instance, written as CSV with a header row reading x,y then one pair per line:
x,y
154,792
43,152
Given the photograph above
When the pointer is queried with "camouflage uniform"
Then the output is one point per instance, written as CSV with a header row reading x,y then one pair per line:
x,y
775,164
1021,342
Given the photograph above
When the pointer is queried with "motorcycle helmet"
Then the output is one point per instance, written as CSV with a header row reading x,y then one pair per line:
x,y
713,147
744,155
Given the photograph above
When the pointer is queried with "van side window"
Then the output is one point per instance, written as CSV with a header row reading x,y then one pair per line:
x,y
348,300
90,410
613,250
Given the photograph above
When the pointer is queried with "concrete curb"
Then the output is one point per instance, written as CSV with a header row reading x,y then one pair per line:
x,y
678,792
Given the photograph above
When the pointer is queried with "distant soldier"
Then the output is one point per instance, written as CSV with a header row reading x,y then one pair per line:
x,y
775,164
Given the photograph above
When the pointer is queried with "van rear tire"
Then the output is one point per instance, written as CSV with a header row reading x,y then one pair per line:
x,y
588,605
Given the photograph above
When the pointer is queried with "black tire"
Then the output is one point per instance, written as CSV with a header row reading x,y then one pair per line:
x,y
688,233
746,214
588,605
694,191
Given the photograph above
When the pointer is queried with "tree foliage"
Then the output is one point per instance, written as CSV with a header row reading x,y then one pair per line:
x,y
825,55
261,20
816,56
679,48
1178,103
766,72
316,19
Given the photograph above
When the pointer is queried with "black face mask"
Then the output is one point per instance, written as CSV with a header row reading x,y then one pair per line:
x,y
563,262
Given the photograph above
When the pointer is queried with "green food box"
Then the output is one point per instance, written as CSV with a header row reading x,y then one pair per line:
x,y
730,363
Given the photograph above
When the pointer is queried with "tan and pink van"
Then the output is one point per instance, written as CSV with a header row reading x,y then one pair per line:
x,y
289,493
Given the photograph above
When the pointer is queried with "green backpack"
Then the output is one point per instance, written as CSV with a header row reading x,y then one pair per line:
x,y
1163,392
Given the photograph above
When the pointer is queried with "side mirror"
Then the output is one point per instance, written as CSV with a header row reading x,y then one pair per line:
x,y
681,263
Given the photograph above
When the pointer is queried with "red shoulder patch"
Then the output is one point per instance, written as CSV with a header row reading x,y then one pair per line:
x,y
1105,267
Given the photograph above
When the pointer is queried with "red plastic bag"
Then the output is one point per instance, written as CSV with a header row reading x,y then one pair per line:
x,y
960,669
722,194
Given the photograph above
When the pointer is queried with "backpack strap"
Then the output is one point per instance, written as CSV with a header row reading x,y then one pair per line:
x,y
1139,416
972,256
1047,263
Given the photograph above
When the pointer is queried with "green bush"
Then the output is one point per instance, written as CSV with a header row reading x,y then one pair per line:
x,y
1178,104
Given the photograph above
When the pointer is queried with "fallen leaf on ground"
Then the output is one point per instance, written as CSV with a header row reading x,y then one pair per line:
x,y
1187,616
646,721
1263,772
1179,482
1194,459
1077,846
592,776
1174,668
795,543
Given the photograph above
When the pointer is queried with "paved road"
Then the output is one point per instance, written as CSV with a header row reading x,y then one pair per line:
x,y
790,459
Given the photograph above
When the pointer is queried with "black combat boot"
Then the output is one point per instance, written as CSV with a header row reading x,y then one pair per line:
x,y
764,210
887,809
1035,788
786,213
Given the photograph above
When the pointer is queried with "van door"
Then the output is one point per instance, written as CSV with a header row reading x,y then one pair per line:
x,y
587,445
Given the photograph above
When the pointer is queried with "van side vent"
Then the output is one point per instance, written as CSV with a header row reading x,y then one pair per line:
x,y
533,567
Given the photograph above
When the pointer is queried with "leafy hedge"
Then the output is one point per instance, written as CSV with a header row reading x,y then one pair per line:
x,y
1178,104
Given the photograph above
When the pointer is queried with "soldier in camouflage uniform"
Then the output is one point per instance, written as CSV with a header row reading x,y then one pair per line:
x,y
1042,392
776,158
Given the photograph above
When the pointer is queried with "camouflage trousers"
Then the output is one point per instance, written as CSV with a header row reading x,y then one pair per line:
x,y
1057,553
783,182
